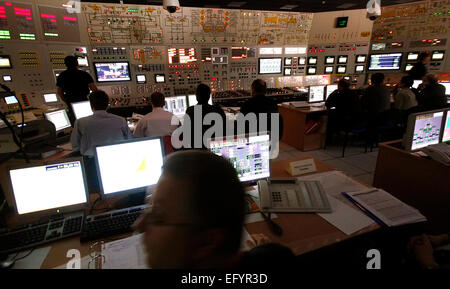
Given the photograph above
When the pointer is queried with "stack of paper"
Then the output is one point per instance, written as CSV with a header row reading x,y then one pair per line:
x,y
386,208
128,253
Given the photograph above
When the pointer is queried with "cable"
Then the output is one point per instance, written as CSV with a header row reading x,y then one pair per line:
x,y
23,257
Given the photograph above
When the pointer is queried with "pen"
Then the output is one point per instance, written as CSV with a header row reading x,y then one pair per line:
x,y
365,211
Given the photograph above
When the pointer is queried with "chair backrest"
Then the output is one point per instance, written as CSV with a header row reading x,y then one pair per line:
x,y
168,148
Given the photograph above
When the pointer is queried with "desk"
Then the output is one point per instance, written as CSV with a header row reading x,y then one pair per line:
x,y
302,232
294,122
419,182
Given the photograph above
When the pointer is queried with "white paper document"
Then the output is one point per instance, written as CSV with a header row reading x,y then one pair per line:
x,y
390,210
32,261
128,253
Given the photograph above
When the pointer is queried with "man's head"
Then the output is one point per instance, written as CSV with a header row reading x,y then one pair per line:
x,y
99,100
203,93
71,62
196,215
377,78
430,79
407,81
424,57
157,99
259,87
343,84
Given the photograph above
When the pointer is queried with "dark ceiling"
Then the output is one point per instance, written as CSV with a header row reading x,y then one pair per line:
x,y
274,5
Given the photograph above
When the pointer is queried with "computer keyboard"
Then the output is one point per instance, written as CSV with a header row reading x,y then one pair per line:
x,y
110,223
38,233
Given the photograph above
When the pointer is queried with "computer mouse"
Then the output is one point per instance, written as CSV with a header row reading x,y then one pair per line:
x,y
6,264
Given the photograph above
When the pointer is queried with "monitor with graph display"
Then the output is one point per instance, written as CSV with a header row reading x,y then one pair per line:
x,y
250,155
446,130
112,71
129,166
388,61
316,93
423,129
176,104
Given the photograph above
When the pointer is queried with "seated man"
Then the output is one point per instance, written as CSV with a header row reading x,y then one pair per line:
x,y
432,95
405,97
97,129
158,122
203,94
196,217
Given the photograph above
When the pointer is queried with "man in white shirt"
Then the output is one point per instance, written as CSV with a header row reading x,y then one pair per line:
x,y
157,123
405,97
99,128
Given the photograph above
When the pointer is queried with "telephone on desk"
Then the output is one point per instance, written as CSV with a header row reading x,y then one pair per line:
x,y
439,152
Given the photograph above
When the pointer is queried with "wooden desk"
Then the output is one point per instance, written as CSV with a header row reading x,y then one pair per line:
x,y
295,120
419,182
302,232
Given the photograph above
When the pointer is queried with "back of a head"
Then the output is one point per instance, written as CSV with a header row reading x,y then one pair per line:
x,y
407,81
377,78
71,62
99,100
259,87
203,93
216,196
343,84
157,99
431,78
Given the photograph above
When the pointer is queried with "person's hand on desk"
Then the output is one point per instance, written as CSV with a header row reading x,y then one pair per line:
x,y
258,239
422,249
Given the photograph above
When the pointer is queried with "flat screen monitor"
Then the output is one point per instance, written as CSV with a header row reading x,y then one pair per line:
x,y
160,78
412,56
287,71
423,129
329,59
437,55
5,61
316,93
112,71
82,109
359,68
342,59
129,166
50,97
329,90
141,78
416,83
312,60
311,70
388,61
11,99
288,61
7,78
446,131
56,187
176,104
447,87
341,69
409,66
59,118
329,69
361,58
301,60
250,155
192,100
269,65
83,61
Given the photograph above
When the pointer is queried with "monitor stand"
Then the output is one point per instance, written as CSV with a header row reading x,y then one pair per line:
x,y
131,200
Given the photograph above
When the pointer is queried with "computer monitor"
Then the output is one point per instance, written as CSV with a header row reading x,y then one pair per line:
x,y
82,109
447,87
59,118
141,78
7,78
388,61
329,90
160,78
51,188
329,69
412,56
416,83
359,68
192,100
329,59
250,155
176,104
11,99
50,97
446,130
129,167
316,93
423,129
341,69
112,71
408,67
360,58
437,55
269,65
311,70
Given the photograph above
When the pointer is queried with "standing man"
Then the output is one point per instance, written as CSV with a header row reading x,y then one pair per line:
x,y
73,85
419,69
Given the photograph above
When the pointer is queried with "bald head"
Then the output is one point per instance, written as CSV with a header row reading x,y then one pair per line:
x,y
259,87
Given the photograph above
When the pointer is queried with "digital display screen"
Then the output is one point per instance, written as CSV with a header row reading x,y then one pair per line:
x,y
329,69
112,71
312,60
447,87
250,156
329,89
412,56
417,83
269,65
7,78
409,66
329,59
130,166
59,119
378,46
427,129
359,68
176,104
83,61
43,186
341,22
295,50
341,69
270,50
50,97
301,60
82,109
437,55
192,100
361,58
288,61
446,133
311,70
389,61
342,59
141,78
239,52
181,55
219,60
5,61
11,99
316,93
160,78
287,71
